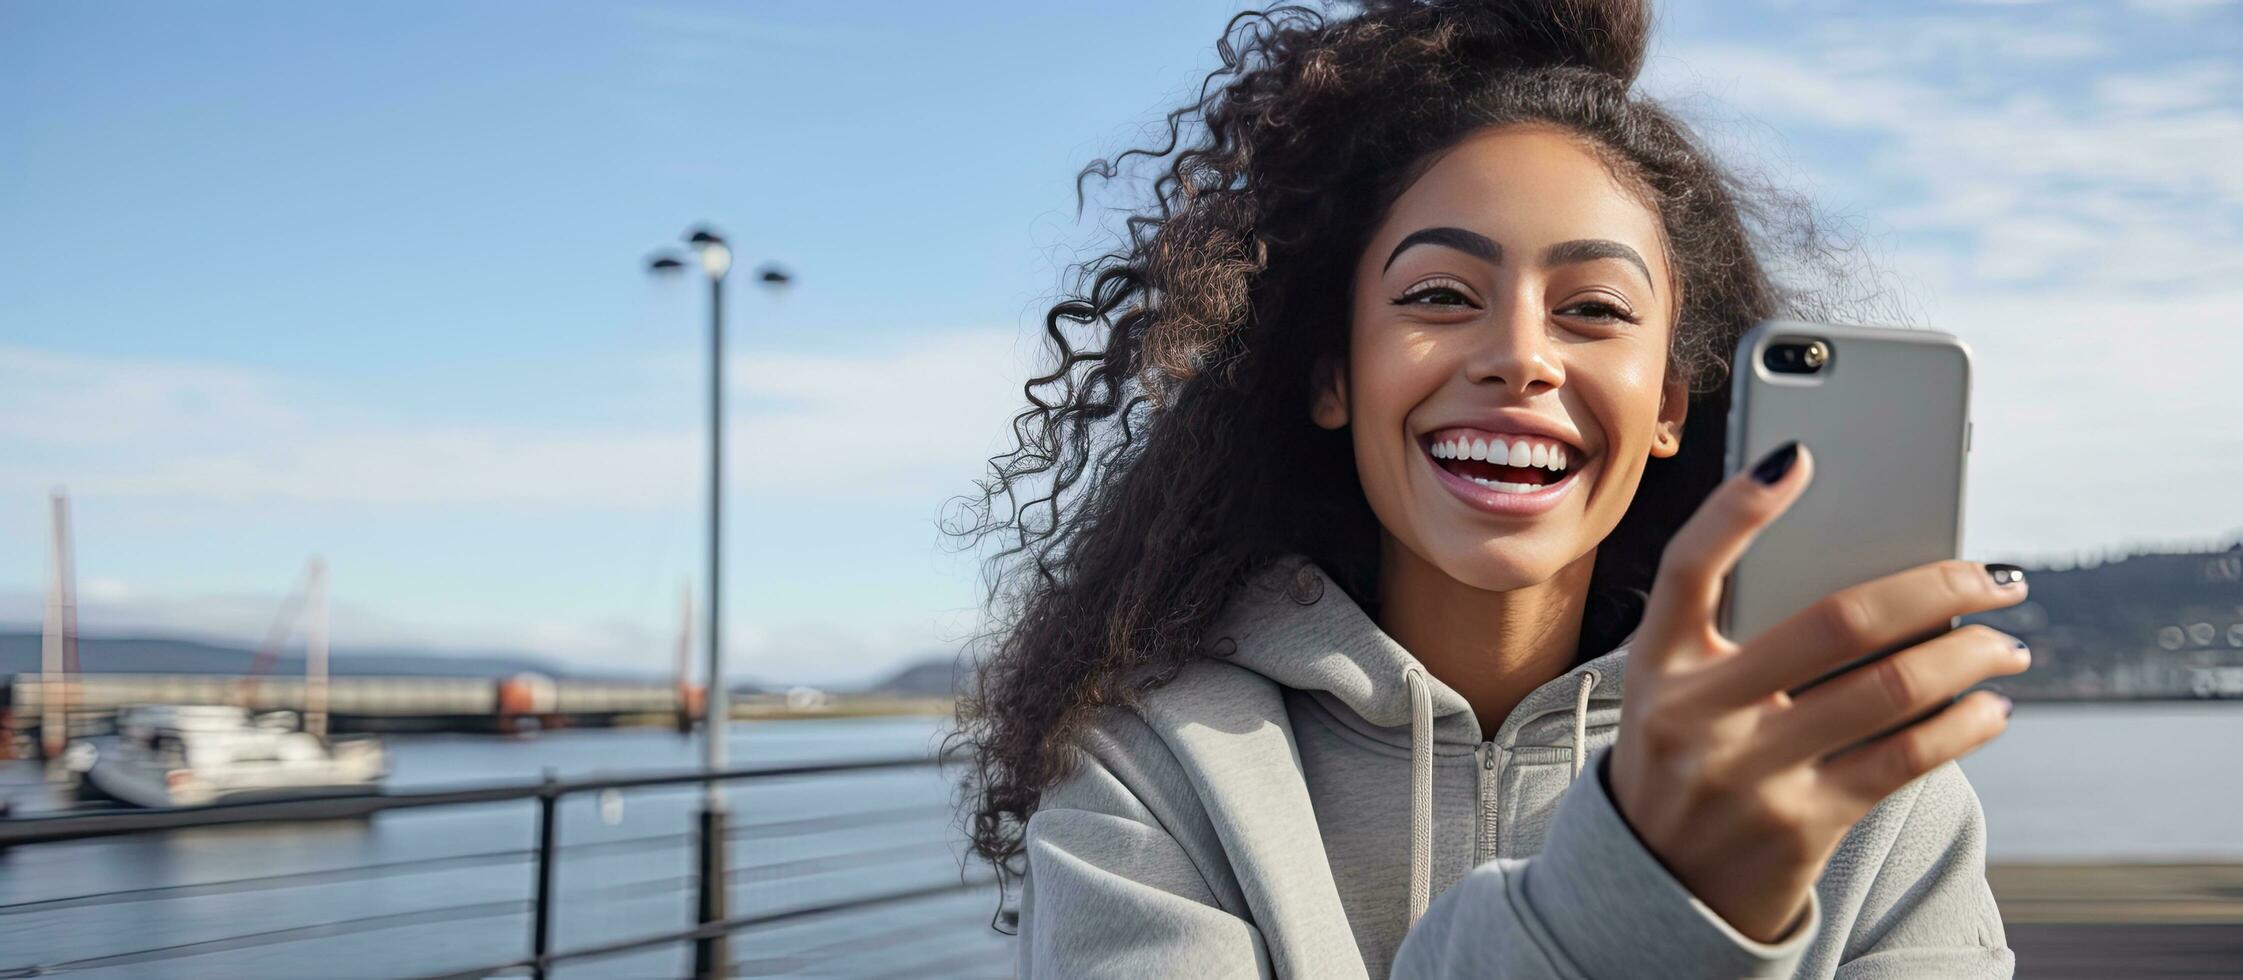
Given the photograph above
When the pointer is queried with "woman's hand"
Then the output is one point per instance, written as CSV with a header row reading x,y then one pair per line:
x,y
1731,781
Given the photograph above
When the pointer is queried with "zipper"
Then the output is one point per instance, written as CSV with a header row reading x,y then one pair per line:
x,y
1484,847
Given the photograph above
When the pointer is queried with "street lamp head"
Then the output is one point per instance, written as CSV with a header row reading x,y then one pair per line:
x,y
665,265
716,260
773,277
716,256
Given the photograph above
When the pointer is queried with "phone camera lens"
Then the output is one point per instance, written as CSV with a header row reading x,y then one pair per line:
x,y
1797,356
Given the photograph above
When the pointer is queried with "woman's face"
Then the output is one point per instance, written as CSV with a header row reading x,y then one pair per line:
x,y
1506,377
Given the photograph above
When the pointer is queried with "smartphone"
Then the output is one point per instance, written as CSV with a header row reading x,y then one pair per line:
x,y
1886,413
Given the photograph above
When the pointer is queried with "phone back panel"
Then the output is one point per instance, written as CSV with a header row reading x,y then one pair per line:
x,y
1888,422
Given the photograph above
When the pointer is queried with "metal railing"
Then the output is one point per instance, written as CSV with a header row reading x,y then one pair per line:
x,y
22,831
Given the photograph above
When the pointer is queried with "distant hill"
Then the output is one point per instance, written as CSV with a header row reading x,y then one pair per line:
x,y
19,653
2148,624
934,676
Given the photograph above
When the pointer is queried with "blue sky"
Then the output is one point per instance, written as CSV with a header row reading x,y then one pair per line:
x,y
362,280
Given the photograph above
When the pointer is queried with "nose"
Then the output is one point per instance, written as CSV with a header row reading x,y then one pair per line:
x,y
1515,352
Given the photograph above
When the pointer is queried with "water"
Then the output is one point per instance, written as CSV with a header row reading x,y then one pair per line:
x,y
281,900
2068,782
2113,782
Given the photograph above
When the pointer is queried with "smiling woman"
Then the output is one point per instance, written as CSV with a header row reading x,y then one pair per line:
x,y
1375,483
1437,352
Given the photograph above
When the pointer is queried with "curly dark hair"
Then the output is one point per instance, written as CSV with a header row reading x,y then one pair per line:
x,y
1168,454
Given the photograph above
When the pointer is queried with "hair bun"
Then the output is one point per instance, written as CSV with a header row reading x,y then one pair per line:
x,y
1607,36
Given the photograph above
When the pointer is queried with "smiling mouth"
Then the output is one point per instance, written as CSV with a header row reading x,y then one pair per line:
x,y
1508,464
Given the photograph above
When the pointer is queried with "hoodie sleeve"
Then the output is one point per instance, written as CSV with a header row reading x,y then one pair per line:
x,y
1109,893
1594,903
1926,909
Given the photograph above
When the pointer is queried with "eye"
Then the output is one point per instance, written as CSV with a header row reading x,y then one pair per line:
x,y
1435,292
1599,311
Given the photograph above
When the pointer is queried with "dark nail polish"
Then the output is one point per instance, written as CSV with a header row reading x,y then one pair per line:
x,y
1778,462
2005,575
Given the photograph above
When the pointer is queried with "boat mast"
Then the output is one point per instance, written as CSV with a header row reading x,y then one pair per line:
x,y
58,644
247,691
682,672
315,648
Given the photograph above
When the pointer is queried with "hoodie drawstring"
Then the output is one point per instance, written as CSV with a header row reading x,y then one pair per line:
x,y
1421,776
1581,721
1421,792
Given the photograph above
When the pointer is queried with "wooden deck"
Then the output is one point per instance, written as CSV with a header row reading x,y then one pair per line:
x,y
2135,920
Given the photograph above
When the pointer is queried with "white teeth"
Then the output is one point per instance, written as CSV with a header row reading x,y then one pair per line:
x,y
1552,456
1502,487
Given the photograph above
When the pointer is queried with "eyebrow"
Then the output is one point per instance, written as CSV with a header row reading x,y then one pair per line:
x,y
1481,246
1592,249
1469,242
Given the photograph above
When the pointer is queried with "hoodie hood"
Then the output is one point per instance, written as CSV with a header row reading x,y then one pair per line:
x,y
1294,625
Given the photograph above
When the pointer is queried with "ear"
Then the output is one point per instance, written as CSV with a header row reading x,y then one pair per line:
x,y
1328,406
1674,407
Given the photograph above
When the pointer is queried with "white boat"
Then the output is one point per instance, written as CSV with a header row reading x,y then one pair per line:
x,y
188,754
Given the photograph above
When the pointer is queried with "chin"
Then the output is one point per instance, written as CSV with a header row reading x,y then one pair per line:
x,y
1502,564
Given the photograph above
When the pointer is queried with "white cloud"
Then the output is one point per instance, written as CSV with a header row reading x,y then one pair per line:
x,y
1931,133
891,429
2181,87
2086,245
2133,188
2178,8
242,619
53,399
104,590
905,417
2066,383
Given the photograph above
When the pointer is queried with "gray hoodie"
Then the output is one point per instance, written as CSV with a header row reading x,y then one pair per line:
x,y
1289,808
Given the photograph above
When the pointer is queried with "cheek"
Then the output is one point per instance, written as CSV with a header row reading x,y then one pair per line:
x,y
1630,382
1393,370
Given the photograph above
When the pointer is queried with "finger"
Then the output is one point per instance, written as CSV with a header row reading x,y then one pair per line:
x,y
1688,586
1873,771
1889,692
1864,620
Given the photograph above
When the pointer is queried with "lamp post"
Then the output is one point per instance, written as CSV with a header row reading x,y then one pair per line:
x,y
711,954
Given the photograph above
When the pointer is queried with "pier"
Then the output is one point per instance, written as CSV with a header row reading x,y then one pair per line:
x,y
386,704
